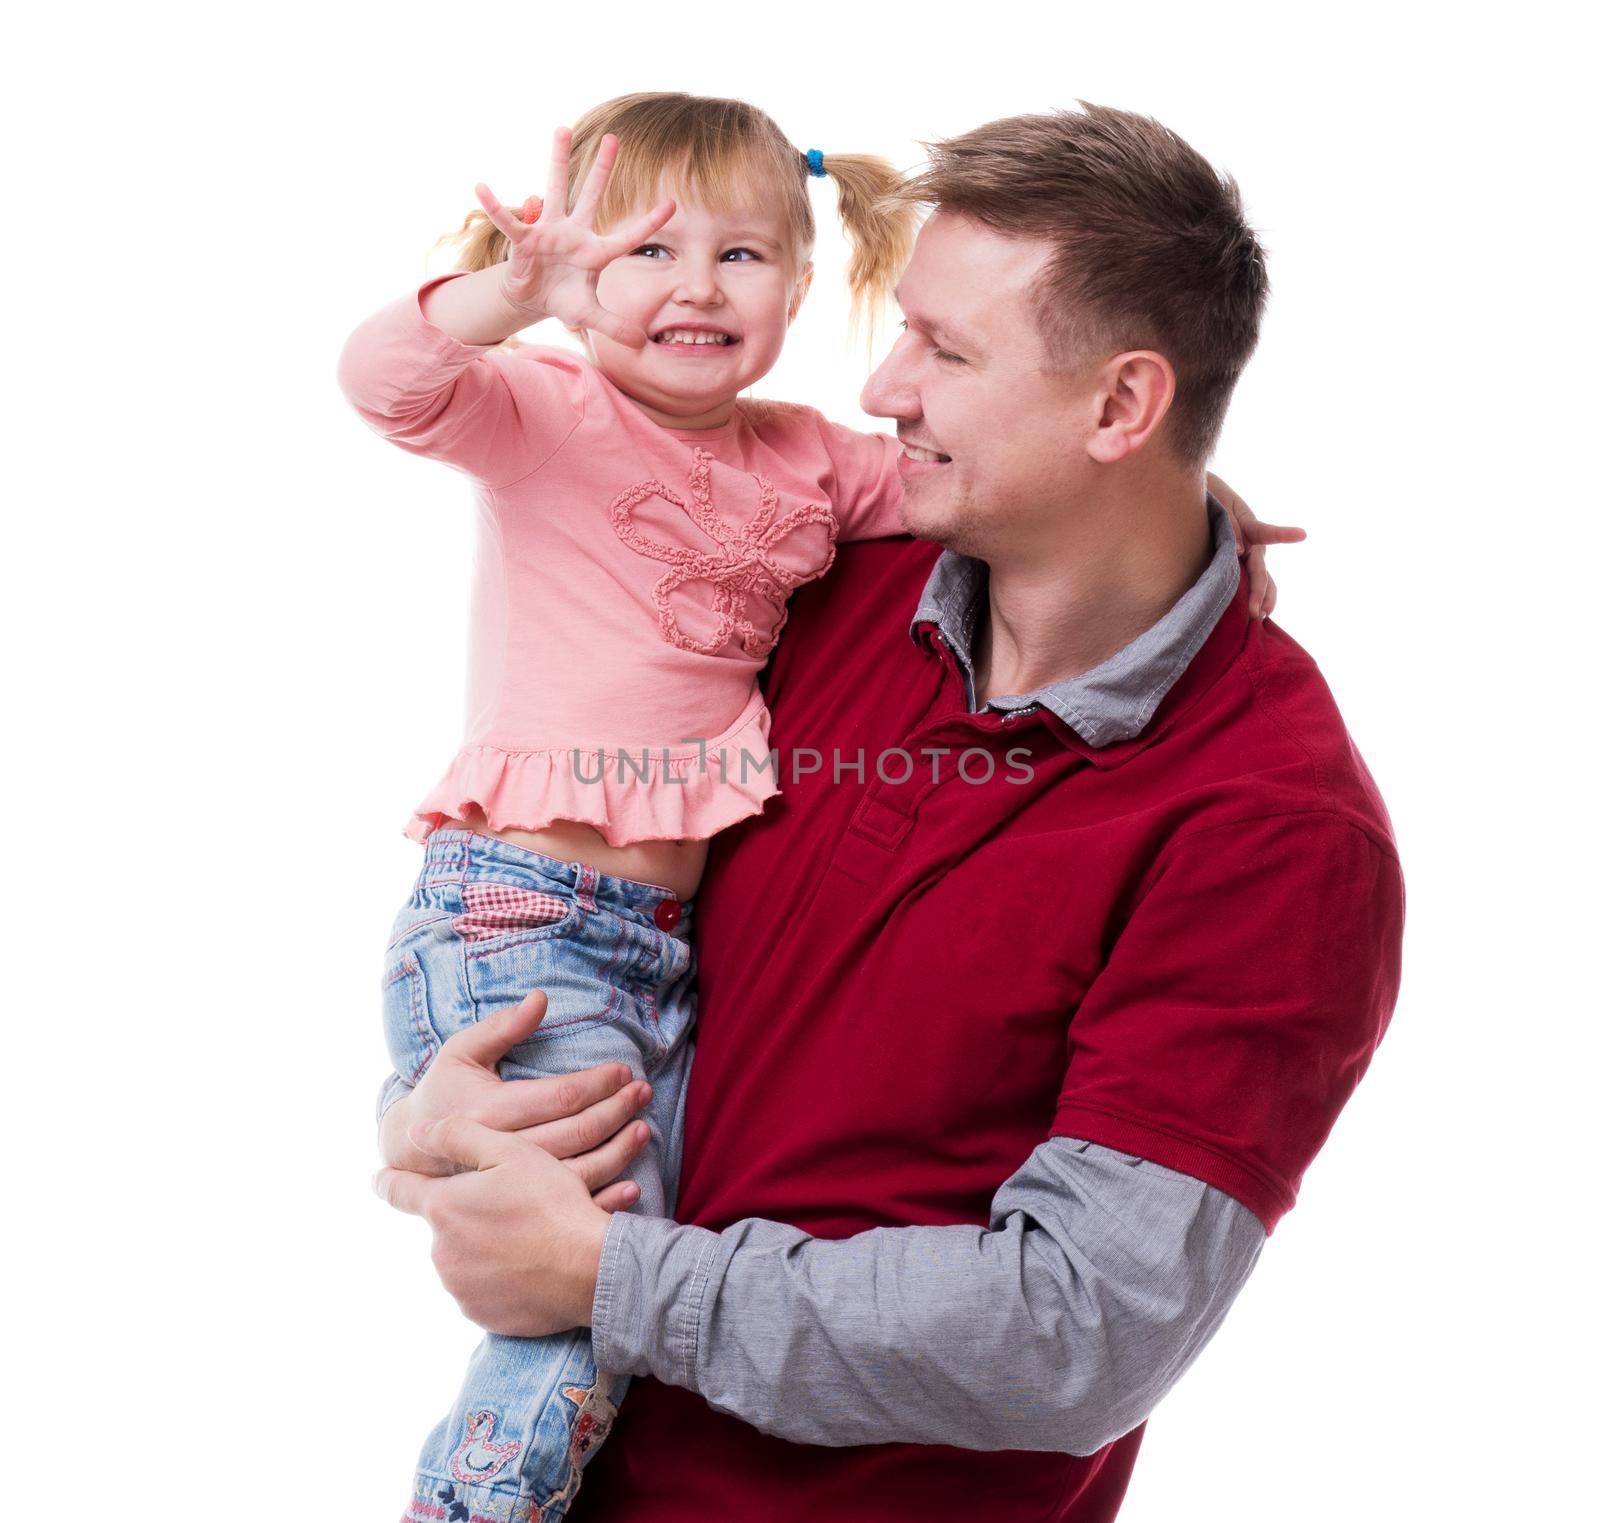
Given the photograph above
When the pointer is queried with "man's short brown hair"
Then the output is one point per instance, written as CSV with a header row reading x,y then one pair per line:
x,y
1151,248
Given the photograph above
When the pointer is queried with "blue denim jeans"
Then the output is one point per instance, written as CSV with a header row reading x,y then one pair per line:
x,y
487,923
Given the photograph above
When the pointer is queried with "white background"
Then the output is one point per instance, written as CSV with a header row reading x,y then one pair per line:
x,y
233,638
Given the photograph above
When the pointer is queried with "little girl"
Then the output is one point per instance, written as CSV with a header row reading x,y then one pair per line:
x,y
641,527
640,530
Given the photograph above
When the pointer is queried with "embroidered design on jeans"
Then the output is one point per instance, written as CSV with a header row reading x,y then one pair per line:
x,y
596,1412
459,1507
456,1511
477,1456
742,565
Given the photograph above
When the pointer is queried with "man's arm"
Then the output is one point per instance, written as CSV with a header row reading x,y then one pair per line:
x,y
1099,1280
1240,1005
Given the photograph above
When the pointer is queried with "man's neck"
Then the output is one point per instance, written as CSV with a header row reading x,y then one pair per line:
x,y
1113,566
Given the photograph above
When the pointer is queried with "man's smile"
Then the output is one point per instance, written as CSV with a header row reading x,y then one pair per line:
x,y
918,460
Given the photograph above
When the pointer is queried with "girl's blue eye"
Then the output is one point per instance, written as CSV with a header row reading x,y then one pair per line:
x,y
751,252
644,248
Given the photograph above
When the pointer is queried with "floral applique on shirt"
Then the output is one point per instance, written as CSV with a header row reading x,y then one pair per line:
x,y
743,565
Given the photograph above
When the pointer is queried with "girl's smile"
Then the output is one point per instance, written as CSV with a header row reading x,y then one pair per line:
x,y
715,292
694,338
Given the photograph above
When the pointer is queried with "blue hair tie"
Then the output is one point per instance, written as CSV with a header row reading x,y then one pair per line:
x,y
814,160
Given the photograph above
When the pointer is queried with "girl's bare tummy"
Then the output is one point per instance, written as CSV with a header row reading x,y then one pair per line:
x,y
673,865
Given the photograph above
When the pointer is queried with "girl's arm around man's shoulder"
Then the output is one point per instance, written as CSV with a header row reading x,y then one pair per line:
x,y
859,473
866,480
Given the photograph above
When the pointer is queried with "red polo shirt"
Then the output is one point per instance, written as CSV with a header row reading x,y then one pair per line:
x,y
1185,946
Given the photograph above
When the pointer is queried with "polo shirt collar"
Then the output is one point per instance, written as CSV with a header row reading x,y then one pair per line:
x,y
1115,700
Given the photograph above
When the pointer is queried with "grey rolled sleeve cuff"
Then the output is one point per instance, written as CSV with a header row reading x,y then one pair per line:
x,y
1100,1279
647,1299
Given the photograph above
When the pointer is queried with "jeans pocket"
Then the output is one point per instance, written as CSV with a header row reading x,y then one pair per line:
x,y
492,910
407,1030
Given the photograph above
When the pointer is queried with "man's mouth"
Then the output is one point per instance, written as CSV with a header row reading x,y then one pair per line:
x,y
926,456
694,337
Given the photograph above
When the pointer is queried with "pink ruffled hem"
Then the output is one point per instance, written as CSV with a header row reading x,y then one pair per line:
x,y
529,789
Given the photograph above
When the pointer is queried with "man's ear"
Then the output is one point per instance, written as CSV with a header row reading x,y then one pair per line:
x,y
1137,390
802,285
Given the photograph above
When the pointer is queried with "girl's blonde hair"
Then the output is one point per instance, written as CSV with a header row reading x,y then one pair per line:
x,y
724,154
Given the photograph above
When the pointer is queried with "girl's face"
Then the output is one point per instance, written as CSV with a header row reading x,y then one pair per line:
x,y
716,294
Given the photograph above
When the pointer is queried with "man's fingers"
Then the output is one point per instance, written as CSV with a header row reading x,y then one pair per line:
x,y
617,1197
493,1037
572,1135
404,1191
462,1141
603,1164
520,1104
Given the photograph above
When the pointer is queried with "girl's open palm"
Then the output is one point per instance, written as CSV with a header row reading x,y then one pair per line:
x,y
555,263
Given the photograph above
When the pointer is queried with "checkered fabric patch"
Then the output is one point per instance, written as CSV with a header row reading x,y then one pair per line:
x,y
493,909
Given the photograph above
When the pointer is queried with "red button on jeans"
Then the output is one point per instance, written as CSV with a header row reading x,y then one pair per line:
x,y
668,913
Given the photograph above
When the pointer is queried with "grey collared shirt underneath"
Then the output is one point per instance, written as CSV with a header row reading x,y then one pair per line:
x,y
1097,1281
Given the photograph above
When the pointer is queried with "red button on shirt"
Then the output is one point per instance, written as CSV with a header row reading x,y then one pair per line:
x,y
668,913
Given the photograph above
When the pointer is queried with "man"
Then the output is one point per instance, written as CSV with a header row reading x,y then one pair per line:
x,y
1025,1008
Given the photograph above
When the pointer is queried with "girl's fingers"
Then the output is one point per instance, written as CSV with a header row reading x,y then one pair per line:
x,y
497,214
614,327
595,183
1256,565
631,234
555,195
602,1165
1270,601
1271,534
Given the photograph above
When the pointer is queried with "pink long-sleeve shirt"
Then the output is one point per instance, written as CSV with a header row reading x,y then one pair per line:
x,y
630,580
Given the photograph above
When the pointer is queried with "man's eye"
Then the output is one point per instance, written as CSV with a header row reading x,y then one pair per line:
x,y
934,349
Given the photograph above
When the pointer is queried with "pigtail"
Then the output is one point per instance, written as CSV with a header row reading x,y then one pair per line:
x,y
478,241
480,244
880,230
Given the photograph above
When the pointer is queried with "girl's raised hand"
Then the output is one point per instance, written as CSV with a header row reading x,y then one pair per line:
x,y
555,263
1253,537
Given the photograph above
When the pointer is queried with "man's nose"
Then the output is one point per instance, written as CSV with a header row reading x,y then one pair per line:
x,y
890,392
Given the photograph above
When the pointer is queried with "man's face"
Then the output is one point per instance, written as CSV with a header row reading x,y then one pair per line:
x,y
989,429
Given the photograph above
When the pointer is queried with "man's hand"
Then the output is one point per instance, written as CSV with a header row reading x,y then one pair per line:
x,y
517,1239
1253,537
580,1118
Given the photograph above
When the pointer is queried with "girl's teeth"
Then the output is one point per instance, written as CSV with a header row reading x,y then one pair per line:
x,y
676,337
